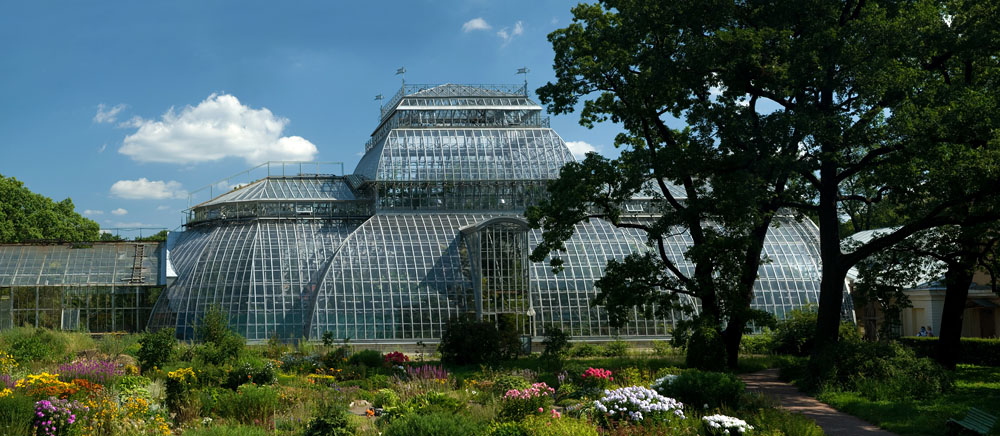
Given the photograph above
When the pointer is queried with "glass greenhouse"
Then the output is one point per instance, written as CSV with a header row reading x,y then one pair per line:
x,y
98,287
430,225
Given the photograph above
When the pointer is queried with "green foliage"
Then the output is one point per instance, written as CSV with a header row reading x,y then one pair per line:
x,y
328,339
544,425
160,236
505,383
761,343
510,336
155,349
439,423
882,371
368,358
782,422
617,348
385,398
586,349
331,420
466,341
227,430
698,388
16,415
505,428
219,343
248,405
973,351
435,402
705,349
26,216
662,348
115,344
556,343
796,333
251,370
34,348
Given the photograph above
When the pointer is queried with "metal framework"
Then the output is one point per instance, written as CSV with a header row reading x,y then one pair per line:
x,y
428,227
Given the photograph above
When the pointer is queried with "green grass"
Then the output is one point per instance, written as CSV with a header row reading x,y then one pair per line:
x,y
975,386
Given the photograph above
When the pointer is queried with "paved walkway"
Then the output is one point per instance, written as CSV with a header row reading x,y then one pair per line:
x,y
834,423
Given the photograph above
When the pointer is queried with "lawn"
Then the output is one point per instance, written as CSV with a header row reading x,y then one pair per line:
x,y
974,386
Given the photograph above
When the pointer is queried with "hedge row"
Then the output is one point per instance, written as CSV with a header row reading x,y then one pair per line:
x,y
975,351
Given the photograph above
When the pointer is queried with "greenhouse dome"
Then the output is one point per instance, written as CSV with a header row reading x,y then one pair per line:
x,y
429,226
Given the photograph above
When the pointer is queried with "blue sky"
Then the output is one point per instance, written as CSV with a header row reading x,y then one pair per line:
x,y
126,106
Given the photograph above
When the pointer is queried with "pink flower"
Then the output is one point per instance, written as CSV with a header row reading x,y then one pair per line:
x,y
540,410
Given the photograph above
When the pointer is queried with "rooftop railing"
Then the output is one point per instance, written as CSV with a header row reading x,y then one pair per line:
x,y
266,169
457,91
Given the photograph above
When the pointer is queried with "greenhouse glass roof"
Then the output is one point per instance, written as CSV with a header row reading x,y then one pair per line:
x,y
429,226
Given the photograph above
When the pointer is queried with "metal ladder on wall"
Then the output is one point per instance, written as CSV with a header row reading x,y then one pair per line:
x,y
140,253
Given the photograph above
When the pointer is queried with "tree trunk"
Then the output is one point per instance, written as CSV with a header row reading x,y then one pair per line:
x,y
831,289
732,338
957,280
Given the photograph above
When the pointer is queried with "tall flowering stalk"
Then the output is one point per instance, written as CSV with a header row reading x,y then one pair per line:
x,y
427,372
95,371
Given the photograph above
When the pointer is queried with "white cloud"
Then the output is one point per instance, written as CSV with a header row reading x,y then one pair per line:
x,y
103,147
217,128
162,207
107,114
477,23
119,212
144,189
93,212
507,36
580,148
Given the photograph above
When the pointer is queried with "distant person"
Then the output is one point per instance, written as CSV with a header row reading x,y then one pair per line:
x,y
930,331
922,332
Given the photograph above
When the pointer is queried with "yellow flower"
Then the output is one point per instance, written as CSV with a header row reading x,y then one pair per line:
x,y
5,393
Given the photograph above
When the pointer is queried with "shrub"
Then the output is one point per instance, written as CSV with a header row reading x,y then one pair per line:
x,y
510,336
34,347
794,334
16,415
757,344
518,403
617,348
396,358
155,349
583,349
368,358
508,382
440,424
220,344
385,398
250,404
556,345
251,370
331,420
698,388
466,341
662,348
434,402
705,349
974,351
883,371
56,417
